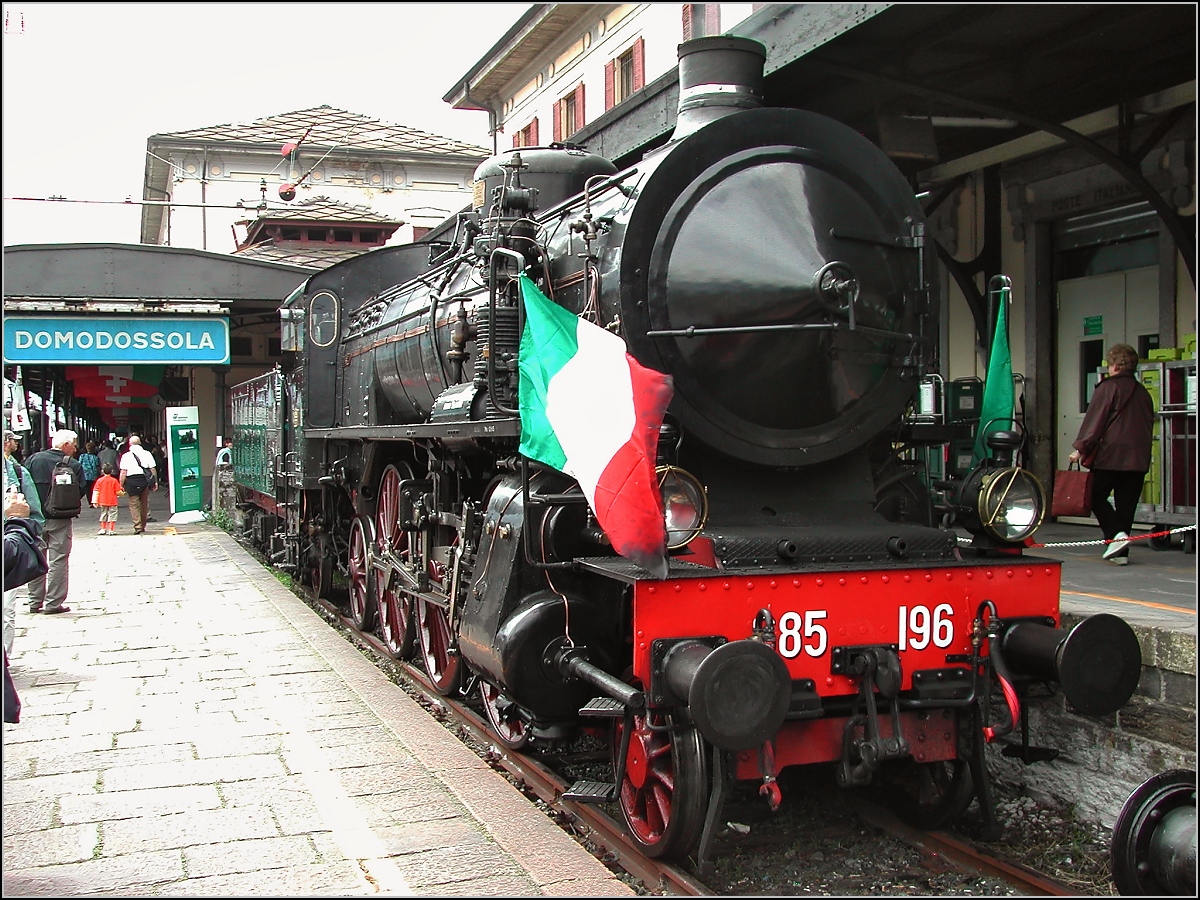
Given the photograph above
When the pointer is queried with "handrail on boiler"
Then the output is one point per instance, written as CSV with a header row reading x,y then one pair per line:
x,y
491,355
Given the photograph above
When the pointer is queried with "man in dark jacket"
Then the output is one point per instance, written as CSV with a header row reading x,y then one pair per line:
x,y
48,593
1115,436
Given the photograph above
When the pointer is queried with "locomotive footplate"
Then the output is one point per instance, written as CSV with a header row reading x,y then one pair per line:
x,y
878,670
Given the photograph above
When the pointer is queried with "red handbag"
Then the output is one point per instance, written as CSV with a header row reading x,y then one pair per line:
x,y
1072,492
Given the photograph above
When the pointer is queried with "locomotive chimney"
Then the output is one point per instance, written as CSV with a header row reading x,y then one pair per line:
x,y
717,76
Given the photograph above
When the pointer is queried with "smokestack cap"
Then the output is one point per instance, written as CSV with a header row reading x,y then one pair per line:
x,y
720,64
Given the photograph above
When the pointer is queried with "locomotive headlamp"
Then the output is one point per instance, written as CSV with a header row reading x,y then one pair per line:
x,y
685,505
1006,504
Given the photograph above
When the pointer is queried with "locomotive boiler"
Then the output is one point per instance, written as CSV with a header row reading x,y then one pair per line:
x,y
817,607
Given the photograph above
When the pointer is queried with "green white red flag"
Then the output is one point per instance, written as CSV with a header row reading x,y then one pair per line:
x,y
996,407
20,412
591,410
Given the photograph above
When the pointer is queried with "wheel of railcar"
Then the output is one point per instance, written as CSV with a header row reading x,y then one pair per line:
x,y
664,794
442,663
320,567
394,607
362,576
505,717
927,795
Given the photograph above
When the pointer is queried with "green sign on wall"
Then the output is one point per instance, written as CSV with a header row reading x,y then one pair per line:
x,y
1093,324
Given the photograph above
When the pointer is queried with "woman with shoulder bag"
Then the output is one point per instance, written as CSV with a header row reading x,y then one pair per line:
x,y
1114,442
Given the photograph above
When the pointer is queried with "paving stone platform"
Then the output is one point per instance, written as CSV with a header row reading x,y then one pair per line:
x,y
191,728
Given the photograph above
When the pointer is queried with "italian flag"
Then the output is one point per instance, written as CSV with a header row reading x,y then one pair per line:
x,y
589,409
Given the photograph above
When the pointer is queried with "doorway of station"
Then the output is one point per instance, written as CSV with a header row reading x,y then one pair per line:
x,y
1106,274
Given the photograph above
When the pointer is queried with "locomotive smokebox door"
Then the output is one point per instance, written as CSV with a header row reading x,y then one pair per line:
x,y
778,245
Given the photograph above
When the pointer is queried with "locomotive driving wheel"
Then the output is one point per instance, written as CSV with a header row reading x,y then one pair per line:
x,y
664,793
928,795
362,576
504,716
395,608
442,662
320,567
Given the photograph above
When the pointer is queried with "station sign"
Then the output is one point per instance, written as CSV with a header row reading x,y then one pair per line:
x,y
115,340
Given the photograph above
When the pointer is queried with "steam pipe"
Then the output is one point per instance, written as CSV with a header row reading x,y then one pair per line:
x,y
572,661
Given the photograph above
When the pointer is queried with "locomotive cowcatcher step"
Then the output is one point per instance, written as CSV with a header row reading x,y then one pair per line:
x,y
603,707
590,792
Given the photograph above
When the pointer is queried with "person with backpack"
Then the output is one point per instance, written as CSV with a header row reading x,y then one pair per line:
x,y
59,481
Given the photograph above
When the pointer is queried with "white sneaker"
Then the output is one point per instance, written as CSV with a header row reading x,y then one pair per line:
x,y
1118,545
1119,560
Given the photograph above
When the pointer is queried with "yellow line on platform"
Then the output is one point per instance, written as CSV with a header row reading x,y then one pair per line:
x,y
1151,604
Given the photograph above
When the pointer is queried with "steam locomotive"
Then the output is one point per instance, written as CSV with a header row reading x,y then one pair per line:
x,y
817,607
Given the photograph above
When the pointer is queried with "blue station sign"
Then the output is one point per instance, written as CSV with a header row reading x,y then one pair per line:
x,y
57,340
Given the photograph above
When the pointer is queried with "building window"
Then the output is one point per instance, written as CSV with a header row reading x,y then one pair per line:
x,y
368,237
625,75
317,235
701,20
527,136
568,114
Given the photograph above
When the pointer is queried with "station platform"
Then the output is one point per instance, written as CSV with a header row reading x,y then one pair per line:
x,y
192,728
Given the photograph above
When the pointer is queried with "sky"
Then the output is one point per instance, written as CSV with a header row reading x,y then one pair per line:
x,y
85,84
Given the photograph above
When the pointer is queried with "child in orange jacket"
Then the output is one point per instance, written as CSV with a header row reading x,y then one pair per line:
x,y
104,495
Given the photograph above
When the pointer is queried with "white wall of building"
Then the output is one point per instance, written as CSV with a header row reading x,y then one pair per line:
x,y
580,56
419,194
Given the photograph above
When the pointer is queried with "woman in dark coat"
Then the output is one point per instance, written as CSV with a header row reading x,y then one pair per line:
x,y
1114,442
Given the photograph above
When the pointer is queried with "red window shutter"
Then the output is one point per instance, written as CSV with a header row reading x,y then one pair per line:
x,y
558,120
533,132
580,119
610,84
712,18
639,64
687,21
516,139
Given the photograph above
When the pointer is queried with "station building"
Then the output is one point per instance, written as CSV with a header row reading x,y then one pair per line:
x,y
234,218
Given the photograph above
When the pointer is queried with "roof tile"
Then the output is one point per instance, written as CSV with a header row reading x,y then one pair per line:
x,y
330,128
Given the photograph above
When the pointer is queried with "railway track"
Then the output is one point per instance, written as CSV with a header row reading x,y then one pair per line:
x,y
607,837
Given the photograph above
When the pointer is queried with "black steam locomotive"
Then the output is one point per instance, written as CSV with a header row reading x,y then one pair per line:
x,y
817,607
